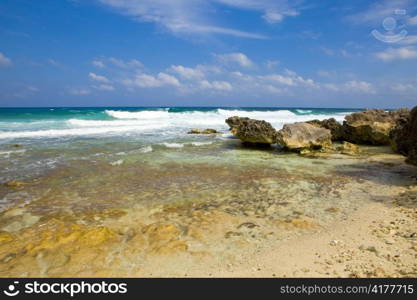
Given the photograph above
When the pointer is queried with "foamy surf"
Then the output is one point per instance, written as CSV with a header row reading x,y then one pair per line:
x,y
162,122
173,145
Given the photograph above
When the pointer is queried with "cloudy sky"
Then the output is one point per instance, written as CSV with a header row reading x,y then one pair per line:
x,y
270,53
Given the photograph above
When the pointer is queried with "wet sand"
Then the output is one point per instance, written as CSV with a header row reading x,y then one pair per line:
x,y
215,211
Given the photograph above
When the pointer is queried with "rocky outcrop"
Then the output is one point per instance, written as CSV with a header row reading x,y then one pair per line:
x,y
371,126
203,131
335,127
301,136
404,137
348,149
252,131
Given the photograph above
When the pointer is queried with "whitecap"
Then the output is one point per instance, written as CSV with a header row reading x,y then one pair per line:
x,y
117,162
201,143
173,145
145,149
7,154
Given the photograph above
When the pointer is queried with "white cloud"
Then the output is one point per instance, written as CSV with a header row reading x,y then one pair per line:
x,y
336,52
199,16
98,63
290,79
131,64
271,64
409,40
397,54
79,92
216,85
99,78
4,60
54,63
359,87
274,11
412,21
150,81
379,10
280,79
167,79
237,58
104,87
331,86
404,88
188,73
117,62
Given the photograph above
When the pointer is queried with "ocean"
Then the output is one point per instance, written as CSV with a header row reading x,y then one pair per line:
x,y
48,123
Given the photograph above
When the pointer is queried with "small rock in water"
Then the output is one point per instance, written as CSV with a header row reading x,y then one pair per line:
x,y
14,184
203,131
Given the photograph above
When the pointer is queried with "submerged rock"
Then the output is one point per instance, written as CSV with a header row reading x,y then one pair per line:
x,y
301,136
404,137
203,131
349,149
252,131
14,184
336,129
371,126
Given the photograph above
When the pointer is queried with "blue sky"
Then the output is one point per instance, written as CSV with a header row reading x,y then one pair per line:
x,y
208,53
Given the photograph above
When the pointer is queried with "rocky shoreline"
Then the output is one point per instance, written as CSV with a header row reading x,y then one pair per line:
x,y
397,128
316,205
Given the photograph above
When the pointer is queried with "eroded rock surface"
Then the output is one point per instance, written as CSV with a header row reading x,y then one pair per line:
x,y
252,131
371,126
335,127
404,137
203,131
299,136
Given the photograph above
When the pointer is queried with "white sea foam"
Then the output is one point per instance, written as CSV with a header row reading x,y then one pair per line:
x,y
302,111
201,143
145,149
146,114
161,122
173,145
7,154
117,162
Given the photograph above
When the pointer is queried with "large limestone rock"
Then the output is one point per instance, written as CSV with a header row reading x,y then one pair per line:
x,y
335,127
371,126
301,136
252,131
404,137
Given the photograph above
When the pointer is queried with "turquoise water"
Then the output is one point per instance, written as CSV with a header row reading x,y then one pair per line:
x,y
32,123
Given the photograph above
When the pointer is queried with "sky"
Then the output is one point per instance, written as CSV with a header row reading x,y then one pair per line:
x,y
230,53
